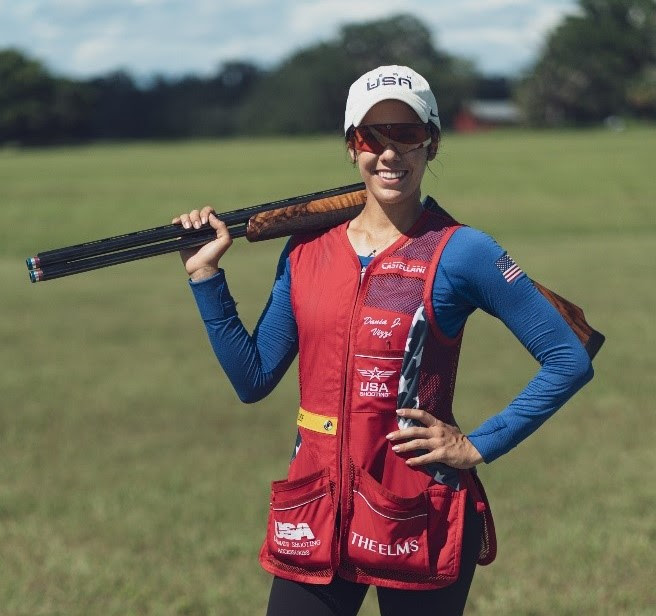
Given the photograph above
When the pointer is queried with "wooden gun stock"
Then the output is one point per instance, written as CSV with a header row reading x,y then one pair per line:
x,y
591,339
305,217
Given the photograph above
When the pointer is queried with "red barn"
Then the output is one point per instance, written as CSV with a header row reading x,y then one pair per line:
x,y
484,114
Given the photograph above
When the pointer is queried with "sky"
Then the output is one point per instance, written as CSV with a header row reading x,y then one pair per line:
x,y
83,38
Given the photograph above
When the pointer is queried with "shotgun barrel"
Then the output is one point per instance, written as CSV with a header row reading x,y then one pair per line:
x,y
331,200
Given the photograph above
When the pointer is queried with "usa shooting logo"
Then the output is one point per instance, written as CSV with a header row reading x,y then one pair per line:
x,y
375,387
294,539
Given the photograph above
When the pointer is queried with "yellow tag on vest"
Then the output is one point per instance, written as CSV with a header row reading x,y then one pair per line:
x,y
317,423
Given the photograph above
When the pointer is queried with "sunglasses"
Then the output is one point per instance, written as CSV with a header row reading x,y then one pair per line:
x,y
375,138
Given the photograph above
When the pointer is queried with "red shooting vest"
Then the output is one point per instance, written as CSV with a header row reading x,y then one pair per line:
x,y
369,344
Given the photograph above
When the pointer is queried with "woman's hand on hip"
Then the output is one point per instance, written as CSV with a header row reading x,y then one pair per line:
x,y
203,262
440,442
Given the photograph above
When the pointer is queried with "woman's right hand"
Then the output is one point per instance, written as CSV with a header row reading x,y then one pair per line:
x,y
203,262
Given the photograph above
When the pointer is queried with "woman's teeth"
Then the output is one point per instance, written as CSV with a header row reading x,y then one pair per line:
x,y
391,175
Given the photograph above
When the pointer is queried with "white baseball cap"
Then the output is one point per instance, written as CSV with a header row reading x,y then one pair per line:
x,y
390,82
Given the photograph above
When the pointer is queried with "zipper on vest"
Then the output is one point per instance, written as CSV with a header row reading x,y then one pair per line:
x,y
345,423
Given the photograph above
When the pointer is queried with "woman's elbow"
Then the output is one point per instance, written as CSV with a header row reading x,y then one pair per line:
x,y
574,369
583,371
250,396
249,390
586,376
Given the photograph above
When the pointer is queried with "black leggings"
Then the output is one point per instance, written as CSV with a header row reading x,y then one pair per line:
x,y
343,598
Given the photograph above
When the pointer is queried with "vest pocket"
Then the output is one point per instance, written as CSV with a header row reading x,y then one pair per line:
x,y
446,521
385,531
302,521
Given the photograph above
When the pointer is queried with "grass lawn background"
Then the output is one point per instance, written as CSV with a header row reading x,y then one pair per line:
x,y
132,480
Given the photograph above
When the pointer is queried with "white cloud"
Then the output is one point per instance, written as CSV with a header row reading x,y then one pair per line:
x,y
86,37
92,52
547,18
328,14
484,35
47,31
23,10
491,5
107,43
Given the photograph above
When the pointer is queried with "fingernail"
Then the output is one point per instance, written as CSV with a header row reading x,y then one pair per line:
x,y
187,225
197,225
400,412
389,436
204,221
395,448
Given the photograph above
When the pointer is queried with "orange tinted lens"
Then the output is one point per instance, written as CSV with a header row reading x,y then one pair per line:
x,y
366,141
404,137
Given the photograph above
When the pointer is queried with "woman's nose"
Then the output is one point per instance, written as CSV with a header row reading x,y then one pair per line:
x,y
390,152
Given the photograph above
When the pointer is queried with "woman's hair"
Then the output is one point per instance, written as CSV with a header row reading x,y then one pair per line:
x,y
434,145
431,152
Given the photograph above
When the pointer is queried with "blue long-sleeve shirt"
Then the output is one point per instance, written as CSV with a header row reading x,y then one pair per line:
x,y
470,275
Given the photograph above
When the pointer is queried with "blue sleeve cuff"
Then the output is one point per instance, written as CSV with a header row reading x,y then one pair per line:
x,y
486,438
213,297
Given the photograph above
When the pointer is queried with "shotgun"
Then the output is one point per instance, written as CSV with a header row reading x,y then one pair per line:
x,y
310,212
306,213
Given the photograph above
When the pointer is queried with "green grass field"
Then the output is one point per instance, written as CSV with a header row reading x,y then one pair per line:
x,y
132,481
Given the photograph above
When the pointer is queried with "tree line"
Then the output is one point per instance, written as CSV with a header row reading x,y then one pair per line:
x,y
597,63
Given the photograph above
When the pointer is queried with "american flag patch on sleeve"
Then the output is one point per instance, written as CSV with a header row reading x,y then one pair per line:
x,y
508,268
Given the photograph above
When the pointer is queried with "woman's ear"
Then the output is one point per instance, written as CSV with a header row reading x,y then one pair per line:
x,y
353,155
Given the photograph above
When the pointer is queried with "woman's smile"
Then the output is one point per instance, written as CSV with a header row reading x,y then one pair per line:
x,y
387,174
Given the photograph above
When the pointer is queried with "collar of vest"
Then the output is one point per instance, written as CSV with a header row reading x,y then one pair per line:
x,y
431,208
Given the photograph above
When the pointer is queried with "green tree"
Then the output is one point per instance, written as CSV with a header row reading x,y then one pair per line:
x,y
597,63
185,107
25,88
307,92
36,107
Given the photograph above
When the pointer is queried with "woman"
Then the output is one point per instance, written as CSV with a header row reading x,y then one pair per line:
x,y
381,487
